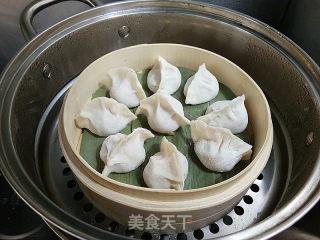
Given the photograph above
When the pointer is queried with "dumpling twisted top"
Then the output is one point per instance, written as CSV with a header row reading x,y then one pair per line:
x,y
124,153
201,87
164,77
231,114
124,86
164,112
217,148
166,169
104,116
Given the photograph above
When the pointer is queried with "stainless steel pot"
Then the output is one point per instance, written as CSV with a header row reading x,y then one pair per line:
x,y
33,84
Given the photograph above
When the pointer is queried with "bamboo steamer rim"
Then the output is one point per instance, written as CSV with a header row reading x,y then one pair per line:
x,y
158,205
124,57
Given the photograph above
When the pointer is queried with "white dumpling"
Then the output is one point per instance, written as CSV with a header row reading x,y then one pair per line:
x,y
164,112
164,77
104,116
166,169
231,114
124,86
201,87
217,148
124,153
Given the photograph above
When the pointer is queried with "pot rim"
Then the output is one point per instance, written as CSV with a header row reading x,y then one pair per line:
x,y
285,217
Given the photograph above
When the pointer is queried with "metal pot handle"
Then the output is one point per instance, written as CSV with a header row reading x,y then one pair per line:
x,y
34,7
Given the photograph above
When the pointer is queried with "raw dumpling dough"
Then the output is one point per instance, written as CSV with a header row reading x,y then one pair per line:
x,y
124,153
217,148
164,112
166,169
104,116
231,114
201,87
124,86
164,77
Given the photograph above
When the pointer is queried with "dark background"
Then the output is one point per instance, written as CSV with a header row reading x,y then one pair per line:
x,y
297,19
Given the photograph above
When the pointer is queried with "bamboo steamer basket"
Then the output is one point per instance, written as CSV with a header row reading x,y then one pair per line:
x,y
203,205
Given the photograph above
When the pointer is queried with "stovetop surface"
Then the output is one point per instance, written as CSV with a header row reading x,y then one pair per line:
x,y
17,219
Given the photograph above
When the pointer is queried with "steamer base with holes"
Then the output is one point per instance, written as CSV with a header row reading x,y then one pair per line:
x,y
60,183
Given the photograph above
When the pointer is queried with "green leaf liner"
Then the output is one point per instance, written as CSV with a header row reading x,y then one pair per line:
x,y
198,175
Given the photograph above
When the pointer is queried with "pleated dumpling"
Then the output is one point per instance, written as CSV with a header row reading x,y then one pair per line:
x,y
201,87
124,153
124,86
217,148
166,169
104,116
231,114
164,112
164,77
